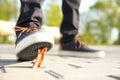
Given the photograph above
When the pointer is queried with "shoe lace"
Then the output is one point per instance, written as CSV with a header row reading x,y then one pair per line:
x,y
24,29
79,43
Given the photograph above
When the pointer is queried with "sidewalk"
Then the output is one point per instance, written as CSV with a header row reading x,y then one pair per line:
x,y
61,67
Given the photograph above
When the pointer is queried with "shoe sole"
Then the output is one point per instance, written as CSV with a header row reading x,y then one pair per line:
x,y
27,48
99,54
30,52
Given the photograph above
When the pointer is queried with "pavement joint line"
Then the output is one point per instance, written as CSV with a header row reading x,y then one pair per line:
x,y
113,76
2,68
55,74
75,66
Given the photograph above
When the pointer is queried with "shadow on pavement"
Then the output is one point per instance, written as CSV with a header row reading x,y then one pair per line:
x,y
4,62
7,62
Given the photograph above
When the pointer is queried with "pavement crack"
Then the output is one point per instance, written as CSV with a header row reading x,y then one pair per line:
x,y
115,77
55,74
75,66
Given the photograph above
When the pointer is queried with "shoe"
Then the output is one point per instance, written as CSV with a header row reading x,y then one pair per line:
x,y
30,40
77,48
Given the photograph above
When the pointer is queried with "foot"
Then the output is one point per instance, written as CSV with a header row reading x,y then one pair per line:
x,y
78,49
30,40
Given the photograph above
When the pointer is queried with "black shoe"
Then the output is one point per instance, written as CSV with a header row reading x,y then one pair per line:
x,y
79,49
30,40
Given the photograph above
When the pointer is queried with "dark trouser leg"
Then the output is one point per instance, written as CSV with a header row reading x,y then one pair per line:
x,y
30,13
69,25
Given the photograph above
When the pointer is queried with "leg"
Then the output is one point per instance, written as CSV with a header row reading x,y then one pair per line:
x,y
69,25
30,14
30,37
69,30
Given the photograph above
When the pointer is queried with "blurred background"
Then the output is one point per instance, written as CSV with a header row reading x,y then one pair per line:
x,y
99,20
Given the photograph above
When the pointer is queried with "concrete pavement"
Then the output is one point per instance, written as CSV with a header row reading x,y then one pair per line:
x,y
61,67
